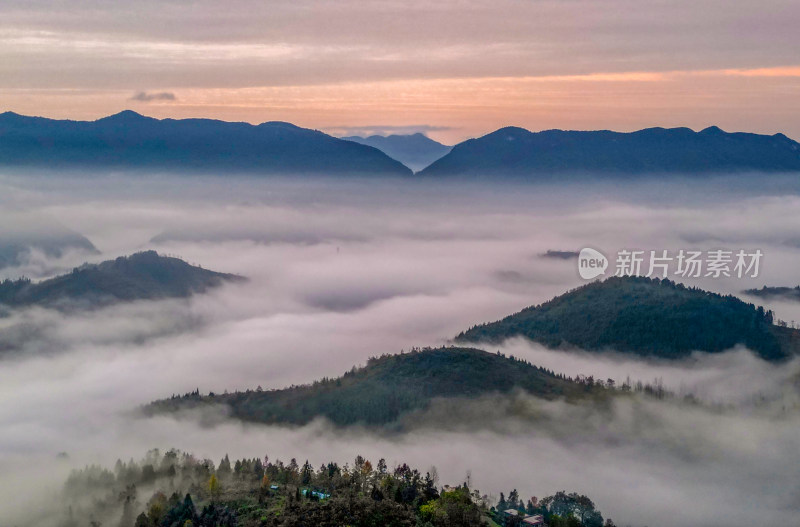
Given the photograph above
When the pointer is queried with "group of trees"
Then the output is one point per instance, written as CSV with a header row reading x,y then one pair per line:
x,y
643,316
175,489
387,389
559,510
386,392
188,492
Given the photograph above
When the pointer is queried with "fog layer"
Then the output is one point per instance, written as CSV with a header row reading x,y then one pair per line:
x,y
341,271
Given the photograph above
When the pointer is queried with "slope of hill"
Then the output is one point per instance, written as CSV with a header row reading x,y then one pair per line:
x,y
385,389
129,141
645,317
141,276
416,151
517,152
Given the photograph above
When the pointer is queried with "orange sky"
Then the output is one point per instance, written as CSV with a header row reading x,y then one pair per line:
x,y
453,70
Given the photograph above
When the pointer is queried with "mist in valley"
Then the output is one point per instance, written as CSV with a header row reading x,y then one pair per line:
x,y
344,270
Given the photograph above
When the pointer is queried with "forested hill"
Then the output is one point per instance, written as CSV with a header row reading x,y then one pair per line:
x,y
144,275
517,152
130,141
385,389
178,489
646,317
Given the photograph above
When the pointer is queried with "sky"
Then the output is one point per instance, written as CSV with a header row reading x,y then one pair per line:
x,y
453,69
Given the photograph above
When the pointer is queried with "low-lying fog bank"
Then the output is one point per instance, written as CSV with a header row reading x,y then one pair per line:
x,y
341,272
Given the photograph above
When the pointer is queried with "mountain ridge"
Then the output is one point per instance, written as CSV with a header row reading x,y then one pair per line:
x,y
517,152
130,141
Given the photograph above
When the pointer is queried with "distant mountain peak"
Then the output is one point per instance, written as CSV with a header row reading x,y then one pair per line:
x,y
126,115
520,130
415,151
280,124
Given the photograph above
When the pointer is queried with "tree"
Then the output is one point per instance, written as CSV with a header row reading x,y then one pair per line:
x,y
224,469
305,473
127,513
502,504
513,499
213,486
156,508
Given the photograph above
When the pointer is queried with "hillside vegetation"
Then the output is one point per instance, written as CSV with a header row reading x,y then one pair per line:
x,y
386,389
647,317
141,276
176,489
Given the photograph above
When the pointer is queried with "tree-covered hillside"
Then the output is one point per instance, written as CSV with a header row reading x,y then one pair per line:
x,y
644,316
144,275
175,489
387,388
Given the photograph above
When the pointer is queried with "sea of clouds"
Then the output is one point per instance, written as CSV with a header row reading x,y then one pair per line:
x,y
344,270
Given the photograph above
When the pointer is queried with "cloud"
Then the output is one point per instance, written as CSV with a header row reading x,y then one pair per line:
x,y
547,64
344,270
153,96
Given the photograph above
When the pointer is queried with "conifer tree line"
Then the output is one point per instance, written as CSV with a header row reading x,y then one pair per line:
x,y
176,489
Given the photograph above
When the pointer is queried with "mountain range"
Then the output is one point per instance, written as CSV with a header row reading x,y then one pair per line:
x,y
130,141
647,317
416,151
141,276
517,152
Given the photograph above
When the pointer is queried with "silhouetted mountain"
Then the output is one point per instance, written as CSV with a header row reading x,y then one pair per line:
x,y
560,255
644,316
776,293
519,153
387,388
21,233
415,151
129,141
141,276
